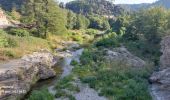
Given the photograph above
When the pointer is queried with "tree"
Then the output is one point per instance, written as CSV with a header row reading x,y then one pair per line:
x,y
15,15
82,22
71,20
46,15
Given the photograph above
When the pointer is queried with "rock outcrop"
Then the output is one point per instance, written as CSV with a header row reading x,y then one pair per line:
x,y
17,76
160,88
3,20
123,55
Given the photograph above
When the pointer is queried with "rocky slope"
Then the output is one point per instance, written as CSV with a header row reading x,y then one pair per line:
x,y
17,76
100,7
123,55
161,80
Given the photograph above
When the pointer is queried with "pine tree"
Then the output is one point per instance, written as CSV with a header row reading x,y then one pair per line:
x,y
46,15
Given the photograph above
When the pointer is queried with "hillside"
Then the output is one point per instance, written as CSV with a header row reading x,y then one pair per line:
x,y
84,50
8,4
134,7
101,7
164,3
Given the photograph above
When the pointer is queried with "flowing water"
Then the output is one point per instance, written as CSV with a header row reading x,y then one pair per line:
x,y
86,93
62,69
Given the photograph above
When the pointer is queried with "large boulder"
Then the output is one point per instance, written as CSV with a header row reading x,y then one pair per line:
x,y
123,55
17,76
160,80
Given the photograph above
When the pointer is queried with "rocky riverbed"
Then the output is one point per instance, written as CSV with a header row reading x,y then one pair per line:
x,y
85,93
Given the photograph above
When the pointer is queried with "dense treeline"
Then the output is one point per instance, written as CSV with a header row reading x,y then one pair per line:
x,y
141,32
100,7
45,15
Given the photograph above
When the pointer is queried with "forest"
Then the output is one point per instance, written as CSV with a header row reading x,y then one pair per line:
x,y
99,27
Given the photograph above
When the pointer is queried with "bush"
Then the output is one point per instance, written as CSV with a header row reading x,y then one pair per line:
x,y
114,80
9,53
7,41
11,42
108,42
43,94
91,31
74,62
77,38
18,32
3,40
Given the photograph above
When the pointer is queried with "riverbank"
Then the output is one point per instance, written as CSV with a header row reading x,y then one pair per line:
x,y
18,76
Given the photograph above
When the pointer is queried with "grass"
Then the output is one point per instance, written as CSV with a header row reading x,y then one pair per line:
x,y
65,88
25,45
112,79
115,80
42,94
14,46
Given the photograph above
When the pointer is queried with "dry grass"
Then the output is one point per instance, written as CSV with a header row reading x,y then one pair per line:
x,y
25,45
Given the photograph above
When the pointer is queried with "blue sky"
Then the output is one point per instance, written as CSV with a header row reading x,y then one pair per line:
x,y
125,1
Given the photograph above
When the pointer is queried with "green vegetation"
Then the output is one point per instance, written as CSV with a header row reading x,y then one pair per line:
x,y
114,80
42,94
45,24
45,16
19,32
66,84
98,22
145,31
99,7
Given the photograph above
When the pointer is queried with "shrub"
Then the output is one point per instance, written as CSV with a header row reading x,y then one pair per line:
x,y
11,42
108,42
114,80
9,53
77,38
91,31
43,94
18,32
60,94
74,62
3,42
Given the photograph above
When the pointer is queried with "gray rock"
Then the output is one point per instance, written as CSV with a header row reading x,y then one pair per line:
x,y
18,76
160,80
122,54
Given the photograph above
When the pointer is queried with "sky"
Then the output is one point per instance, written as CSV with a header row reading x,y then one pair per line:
x,y
124,1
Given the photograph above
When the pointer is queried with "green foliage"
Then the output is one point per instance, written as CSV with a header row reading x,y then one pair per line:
x,y
119,26
109,40
99,7
3,40
11,42
98,22
82,22
45,15
42,94
66,84
74,62
75,36
9,53
6,41
18,32
144,32
149,24
71,20
91,32
114,80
